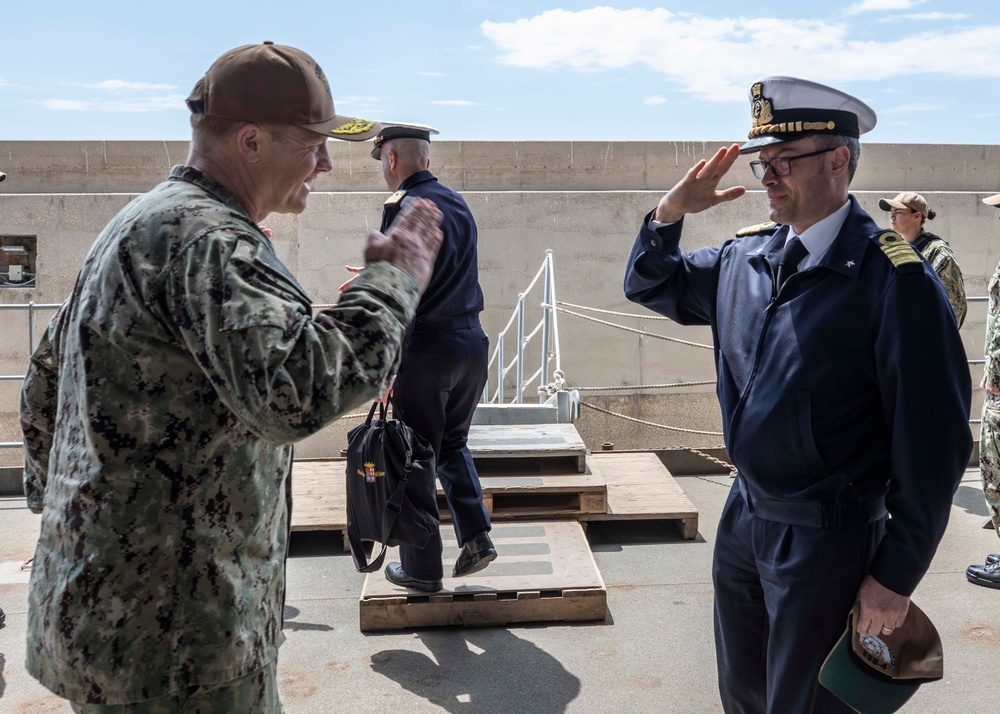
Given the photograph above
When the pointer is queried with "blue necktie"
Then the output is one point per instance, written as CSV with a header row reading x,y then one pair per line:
x,y
792,254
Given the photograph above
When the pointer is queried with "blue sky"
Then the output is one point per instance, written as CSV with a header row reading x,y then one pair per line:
x,y
510,70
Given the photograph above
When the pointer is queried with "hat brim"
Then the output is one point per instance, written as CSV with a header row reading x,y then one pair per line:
x,y
887,204
992,200
758,143
852,685
345,128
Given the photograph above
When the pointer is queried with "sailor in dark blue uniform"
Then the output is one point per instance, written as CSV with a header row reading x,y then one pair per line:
x,y
443,368
835,348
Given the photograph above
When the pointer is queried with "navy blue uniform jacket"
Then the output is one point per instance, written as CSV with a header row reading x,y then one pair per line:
x,y
850,383
453,298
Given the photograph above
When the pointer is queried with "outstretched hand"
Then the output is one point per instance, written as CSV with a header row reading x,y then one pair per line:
x,y
697,191
411,242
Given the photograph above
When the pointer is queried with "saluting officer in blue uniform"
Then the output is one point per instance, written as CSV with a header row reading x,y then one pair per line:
x,y
835,347
443,366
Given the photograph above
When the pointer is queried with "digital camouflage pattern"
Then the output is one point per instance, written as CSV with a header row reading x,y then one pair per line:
x,y
158,413
255,693
941,257
989,437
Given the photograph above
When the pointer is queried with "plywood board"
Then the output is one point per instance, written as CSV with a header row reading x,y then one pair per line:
x,y
641,488
544,572
502,441
319,496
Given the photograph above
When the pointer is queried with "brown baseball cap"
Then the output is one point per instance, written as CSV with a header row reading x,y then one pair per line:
x,y
274,84
877,675
907,199
993,200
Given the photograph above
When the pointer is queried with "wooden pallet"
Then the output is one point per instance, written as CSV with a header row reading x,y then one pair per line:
x,y
517,495
319,496
529,491
544,572
641,488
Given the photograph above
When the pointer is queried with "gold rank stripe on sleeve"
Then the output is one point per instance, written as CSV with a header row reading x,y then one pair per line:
x,y
897,250
756,230
395,198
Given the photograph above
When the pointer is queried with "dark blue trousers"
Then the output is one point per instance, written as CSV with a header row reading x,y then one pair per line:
x,y
782,596
440,381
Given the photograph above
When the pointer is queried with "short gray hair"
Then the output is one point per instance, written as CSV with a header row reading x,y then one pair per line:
x,y
853,144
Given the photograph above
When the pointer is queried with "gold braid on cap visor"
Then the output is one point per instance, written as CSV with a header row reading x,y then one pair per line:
x,y
791,127
355,126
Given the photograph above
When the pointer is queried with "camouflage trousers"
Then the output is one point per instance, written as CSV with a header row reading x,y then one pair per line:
x,y
254,693
989,456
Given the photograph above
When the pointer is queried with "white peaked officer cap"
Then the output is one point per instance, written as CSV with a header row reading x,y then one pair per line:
x,y
785,109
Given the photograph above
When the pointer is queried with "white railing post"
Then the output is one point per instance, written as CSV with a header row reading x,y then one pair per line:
x,y
500,364
547,308
519,397
31,328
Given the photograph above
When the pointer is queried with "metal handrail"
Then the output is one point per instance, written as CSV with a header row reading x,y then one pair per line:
x,y
549,327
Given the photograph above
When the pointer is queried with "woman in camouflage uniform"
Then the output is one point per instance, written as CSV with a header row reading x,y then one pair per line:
x,y
907,214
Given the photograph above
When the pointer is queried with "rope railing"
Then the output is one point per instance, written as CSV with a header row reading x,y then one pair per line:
x,y
635,331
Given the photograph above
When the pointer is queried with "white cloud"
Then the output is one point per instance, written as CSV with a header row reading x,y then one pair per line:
x,y
432,74
455,103
928,17
134,104
118,84
717,59
910,108
653,101
881,5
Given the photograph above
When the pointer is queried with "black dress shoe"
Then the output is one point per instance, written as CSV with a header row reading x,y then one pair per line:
x,y
986,575
394,574
992,558
476,554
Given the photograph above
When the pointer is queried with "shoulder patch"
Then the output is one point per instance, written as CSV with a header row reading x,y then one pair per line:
x,y
394,199
897,250
757,229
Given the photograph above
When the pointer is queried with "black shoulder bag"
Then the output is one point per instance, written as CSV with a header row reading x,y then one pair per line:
x,y
391,487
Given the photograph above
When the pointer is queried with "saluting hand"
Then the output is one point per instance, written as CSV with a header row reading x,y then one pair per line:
x,y
697,190
412,241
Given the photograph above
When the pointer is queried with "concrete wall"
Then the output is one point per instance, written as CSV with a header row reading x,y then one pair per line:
x,y
65,192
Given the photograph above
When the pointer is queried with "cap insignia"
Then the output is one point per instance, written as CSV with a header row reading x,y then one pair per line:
x,y
355,126
761,110
326,83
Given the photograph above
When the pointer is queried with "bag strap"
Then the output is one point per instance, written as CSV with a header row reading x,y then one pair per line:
x,y
393,506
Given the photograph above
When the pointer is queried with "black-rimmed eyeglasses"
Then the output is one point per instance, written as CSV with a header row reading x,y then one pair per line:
x,y
782,165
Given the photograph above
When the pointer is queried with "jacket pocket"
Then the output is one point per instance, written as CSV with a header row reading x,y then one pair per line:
x,y
803,413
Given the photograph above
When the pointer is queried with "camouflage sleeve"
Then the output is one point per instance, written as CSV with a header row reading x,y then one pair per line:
x,y
991,370
284,373
39,397
951,275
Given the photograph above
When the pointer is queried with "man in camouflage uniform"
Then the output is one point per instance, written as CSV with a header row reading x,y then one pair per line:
x,y
988,575
159,408
907,214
